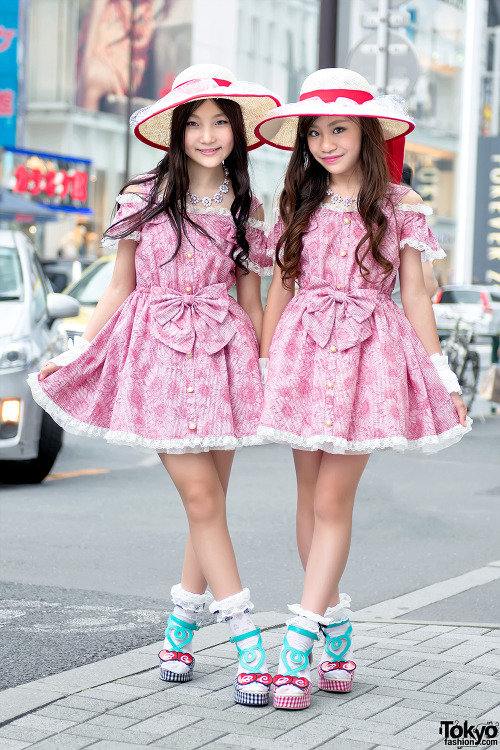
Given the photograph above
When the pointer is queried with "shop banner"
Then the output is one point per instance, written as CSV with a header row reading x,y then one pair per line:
x,y
486,263
156,33
59,182
9,11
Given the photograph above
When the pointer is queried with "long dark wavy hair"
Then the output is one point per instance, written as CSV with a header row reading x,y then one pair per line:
x,y
172,172
306,181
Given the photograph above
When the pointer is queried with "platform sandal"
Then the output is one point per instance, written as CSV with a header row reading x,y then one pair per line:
x,y
183,633
251,685
246,656
336,675
295,661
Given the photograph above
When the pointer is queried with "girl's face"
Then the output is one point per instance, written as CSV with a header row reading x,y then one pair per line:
x,y
335,142
208,138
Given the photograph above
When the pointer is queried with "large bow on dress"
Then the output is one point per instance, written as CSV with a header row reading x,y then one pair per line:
x,y
182,318
347,313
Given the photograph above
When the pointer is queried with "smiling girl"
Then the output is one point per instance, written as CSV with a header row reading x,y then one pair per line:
x,y
348,372
169,360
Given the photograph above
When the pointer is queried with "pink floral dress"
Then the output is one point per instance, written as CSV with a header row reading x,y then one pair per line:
x,y
347,372
175,369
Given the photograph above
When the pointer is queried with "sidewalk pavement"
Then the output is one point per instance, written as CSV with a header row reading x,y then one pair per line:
x,y
410,678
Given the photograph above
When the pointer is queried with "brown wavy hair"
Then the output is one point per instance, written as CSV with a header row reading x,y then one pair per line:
x,y
172,173
306,181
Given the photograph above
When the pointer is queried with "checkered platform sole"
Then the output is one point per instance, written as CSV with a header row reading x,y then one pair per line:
x,y
335,685
293,702
167,676
245,698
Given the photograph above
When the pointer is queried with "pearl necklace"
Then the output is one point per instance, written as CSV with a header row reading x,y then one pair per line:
x,y
336,198
218,197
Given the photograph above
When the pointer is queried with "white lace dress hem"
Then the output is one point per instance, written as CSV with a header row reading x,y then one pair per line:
x,y
426,444
118,437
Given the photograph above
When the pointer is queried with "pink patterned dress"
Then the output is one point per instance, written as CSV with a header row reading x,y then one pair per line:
x,y
347,372
175,369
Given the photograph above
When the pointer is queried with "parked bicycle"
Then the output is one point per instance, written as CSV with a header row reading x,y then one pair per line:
x,y
463,360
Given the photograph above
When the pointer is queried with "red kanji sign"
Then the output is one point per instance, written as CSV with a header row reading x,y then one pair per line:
x,y
61,184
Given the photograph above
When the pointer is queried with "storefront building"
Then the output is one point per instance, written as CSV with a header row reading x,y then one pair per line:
x,y
435,31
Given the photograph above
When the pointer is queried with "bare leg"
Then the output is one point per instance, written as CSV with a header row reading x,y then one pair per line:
x,y
307,465
197,480
192,574
336,486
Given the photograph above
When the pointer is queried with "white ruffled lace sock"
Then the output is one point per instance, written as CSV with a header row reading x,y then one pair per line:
x,y
302,643
235,611
339,628
187,606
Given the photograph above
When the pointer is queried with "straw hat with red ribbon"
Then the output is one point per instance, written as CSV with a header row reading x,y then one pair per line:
x,y
338,92
152,124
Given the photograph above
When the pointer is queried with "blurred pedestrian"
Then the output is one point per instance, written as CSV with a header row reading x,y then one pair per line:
x,y
348,372
169,360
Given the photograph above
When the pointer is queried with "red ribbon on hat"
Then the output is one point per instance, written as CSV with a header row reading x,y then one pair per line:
x,y
218,81
394,156
394,149
331,95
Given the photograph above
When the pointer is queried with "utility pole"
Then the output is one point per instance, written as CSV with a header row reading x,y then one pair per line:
x,y
130,93
328,34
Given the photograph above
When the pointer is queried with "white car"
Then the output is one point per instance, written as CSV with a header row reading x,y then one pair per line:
x,y
479,306
30,334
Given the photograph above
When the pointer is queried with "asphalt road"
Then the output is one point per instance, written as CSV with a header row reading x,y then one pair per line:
x,y
88,559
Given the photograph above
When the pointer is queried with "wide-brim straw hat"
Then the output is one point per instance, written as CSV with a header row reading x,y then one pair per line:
x,y
152,124
334,92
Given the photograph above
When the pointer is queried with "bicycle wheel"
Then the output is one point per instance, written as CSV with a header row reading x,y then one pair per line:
x,y
452,351
469,378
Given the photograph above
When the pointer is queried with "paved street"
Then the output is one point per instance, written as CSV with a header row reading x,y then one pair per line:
x,y
89,556
411,679
88,560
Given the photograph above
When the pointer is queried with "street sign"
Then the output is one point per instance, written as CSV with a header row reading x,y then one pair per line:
x,y
397,19
401,59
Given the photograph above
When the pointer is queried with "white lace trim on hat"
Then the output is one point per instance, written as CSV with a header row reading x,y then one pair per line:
x,y
427,252
118,437
415,208
426,444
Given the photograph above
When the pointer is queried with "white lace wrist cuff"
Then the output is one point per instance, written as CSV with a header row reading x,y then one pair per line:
x,y
187,599
263,368
235,604
76,347
445,373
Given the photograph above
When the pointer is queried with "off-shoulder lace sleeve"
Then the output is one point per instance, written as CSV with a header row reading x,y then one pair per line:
x,y
273,238
129,205
415,231
258,259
